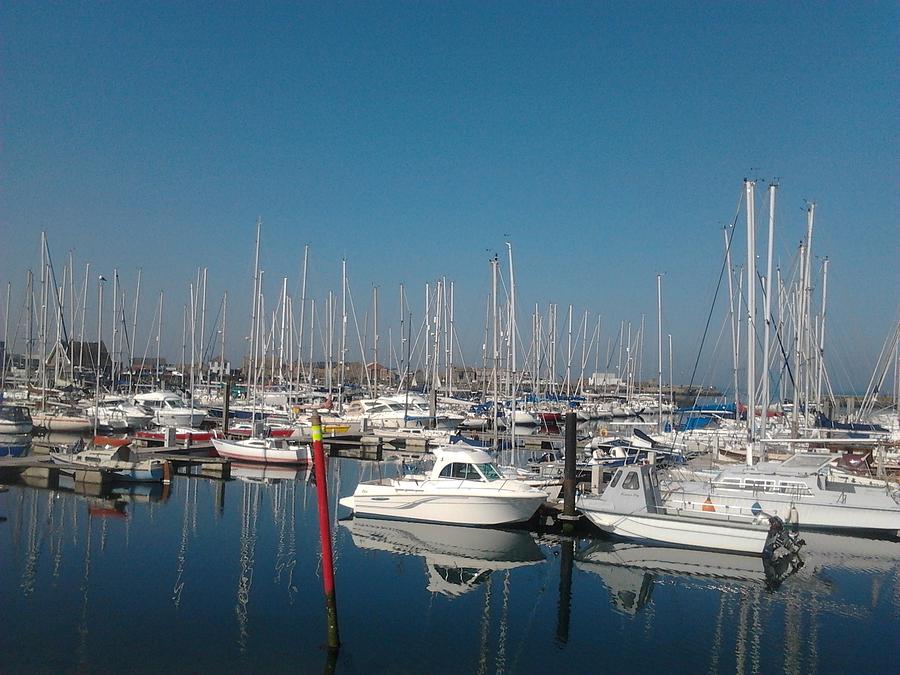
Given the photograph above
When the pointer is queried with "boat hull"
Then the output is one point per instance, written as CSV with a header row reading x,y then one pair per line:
x,y
62,422
436,505
805,511
15,428
261,452
692,532
153,473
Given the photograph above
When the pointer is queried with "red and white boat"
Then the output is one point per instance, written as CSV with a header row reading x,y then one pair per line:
x,y
266,450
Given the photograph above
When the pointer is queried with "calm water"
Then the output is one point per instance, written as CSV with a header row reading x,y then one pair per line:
x,y
211,576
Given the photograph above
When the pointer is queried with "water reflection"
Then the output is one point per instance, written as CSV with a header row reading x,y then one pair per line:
x,y
232,570
457,559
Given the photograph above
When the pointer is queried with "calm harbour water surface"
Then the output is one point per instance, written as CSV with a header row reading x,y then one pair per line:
x,y
209,576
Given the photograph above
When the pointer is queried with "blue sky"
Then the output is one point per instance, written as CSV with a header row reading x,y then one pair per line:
x,y
607,142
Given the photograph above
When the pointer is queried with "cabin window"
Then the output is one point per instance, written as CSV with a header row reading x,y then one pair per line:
x,y
615,480
631,483
460,470
490,472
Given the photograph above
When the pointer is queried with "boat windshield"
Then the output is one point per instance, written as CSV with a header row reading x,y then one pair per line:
x,y
490,471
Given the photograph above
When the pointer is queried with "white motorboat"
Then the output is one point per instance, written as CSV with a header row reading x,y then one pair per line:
x,y
117,460
15,419
631,507
803,490
457,559
170,410
115,412
266,450
464,487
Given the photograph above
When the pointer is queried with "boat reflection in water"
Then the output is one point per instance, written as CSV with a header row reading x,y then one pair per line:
x,y
628,569
267,473
457,559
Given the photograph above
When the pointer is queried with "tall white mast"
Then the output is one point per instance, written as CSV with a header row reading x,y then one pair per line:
x,y
343,331
303,314
375,336
99,364
659,349
734,328
750,187
767,311
137,298
821,346
512,337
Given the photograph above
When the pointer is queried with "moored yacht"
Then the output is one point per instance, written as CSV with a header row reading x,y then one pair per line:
x,y
170,410
15,419
464,487
266,450
632,507
803,489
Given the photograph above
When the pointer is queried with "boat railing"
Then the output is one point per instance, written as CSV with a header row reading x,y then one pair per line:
x,y
685,506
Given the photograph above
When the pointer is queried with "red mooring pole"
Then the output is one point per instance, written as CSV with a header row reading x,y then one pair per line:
x,y
334,640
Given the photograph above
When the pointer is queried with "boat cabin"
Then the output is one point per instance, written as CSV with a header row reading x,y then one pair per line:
x,y
634,489
465,463
15,414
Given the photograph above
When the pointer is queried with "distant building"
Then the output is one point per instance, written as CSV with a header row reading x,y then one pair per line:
x,y
605,380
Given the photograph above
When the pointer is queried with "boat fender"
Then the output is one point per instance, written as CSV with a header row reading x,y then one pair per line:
x,y
708,505
604,432
793,516
167,471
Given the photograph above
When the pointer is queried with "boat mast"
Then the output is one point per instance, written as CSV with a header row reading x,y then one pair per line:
x,y
375,338
512,334
659,350
495,348
450,336
114,328
284,301
100,280
224,322
767,326
302,315
343,331
807,341
158,337
821,346
750,187
29,287
734,329
253,311
5,339
137,297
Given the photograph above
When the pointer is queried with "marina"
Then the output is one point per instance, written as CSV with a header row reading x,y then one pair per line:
x,y
237,564
449,338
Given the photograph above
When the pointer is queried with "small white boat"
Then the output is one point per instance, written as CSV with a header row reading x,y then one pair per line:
x,y
464,487
631,507
62,421
170,410
15,419
266,450
117,460
803,489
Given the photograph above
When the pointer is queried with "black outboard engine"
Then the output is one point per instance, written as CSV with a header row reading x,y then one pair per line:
x,y
781,542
